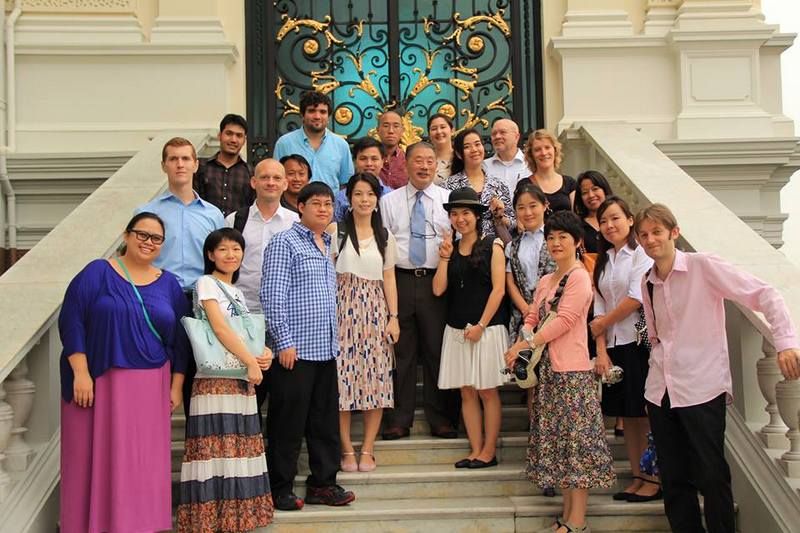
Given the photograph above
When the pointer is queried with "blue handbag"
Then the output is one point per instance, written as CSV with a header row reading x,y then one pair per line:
x,y
212,358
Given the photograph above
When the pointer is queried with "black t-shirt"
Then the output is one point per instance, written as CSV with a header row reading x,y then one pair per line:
x,y
559,200
469,286
591,238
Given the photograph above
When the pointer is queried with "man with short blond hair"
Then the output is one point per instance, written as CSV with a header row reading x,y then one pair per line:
x,y
188,219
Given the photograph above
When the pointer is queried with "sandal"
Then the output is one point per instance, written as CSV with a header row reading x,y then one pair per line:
x,y
367,468
348,467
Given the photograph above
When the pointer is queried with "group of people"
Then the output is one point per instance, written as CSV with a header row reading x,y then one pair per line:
x,y
365,264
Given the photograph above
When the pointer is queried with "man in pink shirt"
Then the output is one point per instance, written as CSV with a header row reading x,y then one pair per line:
x,y
689,383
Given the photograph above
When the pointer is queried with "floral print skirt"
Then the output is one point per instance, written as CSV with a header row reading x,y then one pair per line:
x,y
224,480
567,446
365,357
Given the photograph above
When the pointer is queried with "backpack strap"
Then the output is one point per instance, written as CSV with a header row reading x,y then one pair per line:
x,y
240,218
650,294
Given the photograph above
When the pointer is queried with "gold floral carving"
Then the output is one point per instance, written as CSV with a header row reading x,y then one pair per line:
x,y
411,133
475,44
472,120
495,20
289,107
293,24
311,46
448,110
325,87
423,82
343,116
366,85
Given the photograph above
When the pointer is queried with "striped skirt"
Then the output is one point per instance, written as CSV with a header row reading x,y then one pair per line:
x,y
224,481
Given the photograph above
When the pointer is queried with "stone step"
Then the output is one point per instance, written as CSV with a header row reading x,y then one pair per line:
x,y
423,450
397,482
515,419
498,514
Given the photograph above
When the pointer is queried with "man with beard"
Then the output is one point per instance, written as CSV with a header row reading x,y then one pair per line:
x,y
327,153
224,179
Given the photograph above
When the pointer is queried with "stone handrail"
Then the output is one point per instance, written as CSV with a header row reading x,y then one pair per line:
x,y
30,300
766,409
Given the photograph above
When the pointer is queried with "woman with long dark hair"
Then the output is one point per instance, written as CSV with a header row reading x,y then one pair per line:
x,y
471,271
468,171
592,190
368,323
617,301
122,346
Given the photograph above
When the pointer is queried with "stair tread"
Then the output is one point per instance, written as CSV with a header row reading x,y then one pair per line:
x,y
440,508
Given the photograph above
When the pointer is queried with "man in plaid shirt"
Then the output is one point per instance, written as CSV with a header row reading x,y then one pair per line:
x,y
298,295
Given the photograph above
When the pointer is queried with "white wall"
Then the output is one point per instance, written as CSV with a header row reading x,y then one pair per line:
x,y
787,14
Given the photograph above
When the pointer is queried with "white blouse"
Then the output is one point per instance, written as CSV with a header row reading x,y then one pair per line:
x,y
368,265
621,278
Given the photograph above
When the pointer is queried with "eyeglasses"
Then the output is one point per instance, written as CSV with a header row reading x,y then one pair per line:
x,y
430,232
143,236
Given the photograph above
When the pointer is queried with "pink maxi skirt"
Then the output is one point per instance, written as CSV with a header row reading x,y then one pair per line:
x,y
115,456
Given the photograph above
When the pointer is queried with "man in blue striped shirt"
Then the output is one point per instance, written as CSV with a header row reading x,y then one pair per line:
x,y
298,295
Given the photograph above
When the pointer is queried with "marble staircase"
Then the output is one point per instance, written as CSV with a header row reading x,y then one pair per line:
x,y
416,488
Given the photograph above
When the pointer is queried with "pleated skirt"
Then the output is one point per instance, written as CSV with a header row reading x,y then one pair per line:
x,y
473,364
224,480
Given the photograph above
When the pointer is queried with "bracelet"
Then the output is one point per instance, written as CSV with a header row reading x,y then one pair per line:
x,y
482,326
392,315
445,259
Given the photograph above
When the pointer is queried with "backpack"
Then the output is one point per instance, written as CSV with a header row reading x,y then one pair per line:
x,y
240,218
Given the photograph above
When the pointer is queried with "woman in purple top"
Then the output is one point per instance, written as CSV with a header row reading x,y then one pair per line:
x,y
115,387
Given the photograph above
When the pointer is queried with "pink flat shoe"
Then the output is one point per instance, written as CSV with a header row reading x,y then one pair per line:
x,y
349,466
367,467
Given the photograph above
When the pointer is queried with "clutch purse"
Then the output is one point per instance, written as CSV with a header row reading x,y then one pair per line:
x,y
212,358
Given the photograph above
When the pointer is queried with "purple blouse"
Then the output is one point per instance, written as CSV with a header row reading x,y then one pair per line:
x,y
102,318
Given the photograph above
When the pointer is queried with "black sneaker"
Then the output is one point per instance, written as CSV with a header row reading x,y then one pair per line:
x,y
333,495
288,502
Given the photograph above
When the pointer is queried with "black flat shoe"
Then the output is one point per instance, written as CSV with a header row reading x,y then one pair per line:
x,y
622,496
638,498
477,463
550,492
463,463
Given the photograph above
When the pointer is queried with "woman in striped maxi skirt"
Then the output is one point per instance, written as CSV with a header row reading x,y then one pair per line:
x,y
224,481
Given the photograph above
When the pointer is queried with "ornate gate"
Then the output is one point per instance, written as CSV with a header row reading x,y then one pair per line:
x,y
474,60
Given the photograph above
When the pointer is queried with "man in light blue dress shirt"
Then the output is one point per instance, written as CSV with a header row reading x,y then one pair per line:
x,y
328,154
188,219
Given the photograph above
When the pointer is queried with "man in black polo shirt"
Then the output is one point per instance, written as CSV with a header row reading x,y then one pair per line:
x,y
224,179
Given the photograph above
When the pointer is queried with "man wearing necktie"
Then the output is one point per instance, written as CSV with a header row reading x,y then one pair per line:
x,y
415,216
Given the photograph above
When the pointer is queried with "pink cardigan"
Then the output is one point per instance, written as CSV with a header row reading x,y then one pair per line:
x,y
566,335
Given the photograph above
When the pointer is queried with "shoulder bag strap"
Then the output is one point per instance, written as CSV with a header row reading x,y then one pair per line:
x,y
239,308
141,302
559,291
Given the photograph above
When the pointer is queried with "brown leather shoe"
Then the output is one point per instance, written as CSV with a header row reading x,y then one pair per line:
x,y
395,433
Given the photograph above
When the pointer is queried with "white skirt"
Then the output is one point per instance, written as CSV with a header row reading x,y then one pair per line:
x,y
468,364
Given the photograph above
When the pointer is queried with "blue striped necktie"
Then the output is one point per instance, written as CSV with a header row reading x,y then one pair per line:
x,y
416,249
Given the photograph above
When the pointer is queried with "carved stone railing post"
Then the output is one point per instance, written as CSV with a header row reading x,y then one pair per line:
x,y
787,395
773,434
6,423
19,391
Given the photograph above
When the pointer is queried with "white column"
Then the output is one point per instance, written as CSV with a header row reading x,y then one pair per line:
x,y
188,21
787,396
20,393
660,16
6,423
773,434
596,19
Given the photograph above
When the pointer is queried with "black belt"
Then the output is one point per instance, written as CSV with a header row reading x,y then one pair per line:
x,y
417,272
